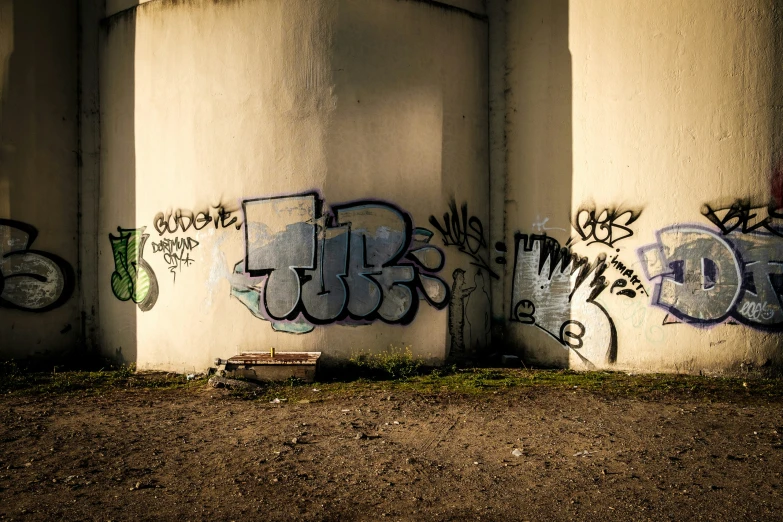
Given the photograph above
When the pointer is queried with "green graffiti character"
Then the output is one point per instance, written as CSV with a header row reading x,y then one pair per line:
x,y
133,277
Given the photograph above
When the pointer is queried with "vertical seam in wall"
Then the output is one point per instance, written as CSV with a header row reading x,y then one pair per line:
x,y
79,163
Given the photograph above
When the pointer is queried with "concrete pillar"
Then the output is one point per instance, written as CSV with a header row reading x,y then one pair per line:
x,y
303,147
39,239
649,134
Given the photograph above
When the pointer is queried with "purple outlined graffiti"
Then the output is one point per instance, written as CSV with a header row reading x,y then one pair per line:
x,y
555,290
358,263
30,280
703,277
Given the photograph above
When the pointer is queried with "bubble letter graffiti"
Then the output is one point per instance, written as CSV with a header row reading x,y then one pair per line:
x,y
704,277
359,263
30,280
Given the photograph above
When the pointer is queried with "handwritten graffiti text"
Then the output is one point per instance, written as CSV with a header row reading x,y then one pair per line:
x,y
606,227
176,252
466,233
183,220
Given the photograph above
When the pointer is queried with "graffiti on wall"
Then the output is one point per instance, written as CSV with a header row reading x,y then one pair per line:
x,y
30,280
176,253
607,227
133,278
745,217
555,290
629,284
355,264
469,321
466,233
182,220
705,277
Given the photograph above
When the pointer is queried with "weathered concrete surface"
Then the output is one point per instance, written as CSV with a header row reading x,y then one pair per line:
x,y
661,109
38,175
208,103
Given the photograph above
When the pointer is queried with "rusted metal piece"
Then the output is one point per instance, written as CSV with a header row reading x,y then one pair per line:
x,y
279,358
263,366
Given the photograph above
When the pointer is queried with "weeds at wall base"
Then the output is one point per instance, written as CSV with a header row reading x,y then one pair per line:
x,y
16,378
401,373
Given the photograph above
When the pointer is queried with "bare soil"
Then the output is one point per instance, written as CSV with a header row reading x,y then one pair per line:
x,y
199,453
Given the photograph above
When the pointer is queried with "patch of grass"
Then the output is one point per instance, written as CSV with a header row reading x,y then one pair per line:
x,y
397,363
399,371
14,378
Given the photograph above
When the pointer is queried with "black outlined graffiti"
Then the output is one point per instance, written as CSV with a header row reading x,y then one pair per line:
x,y
621,284
555,290
30,280
703,277
607,227
500,249
359,263
459,292
133,278
466,233
182,220
176,253
741,214
477,317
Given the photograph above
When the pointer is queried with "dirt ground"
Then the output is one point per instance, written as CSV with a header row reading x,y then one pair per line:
x,y
199,453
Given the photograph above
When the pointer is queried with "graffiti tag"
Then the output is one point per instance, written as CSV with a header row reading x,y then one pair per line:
x,y
133,278
176,252
745,217
621,284
606,227
182,220
466,233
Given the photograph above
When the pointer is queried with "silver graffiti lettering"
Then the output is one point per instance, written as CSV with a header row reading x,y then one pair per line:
x,y
704,277
30,280
556,290
301,270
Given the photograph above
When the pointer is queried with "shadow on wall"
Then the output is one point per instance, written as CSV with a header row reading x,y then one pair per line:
x,y
776,100
544,302
39,315
127,284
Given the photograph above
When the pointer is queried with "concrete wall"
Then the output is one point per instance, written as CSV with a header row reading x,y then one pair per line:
x,y
650,135
39,307
304,147
347,175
